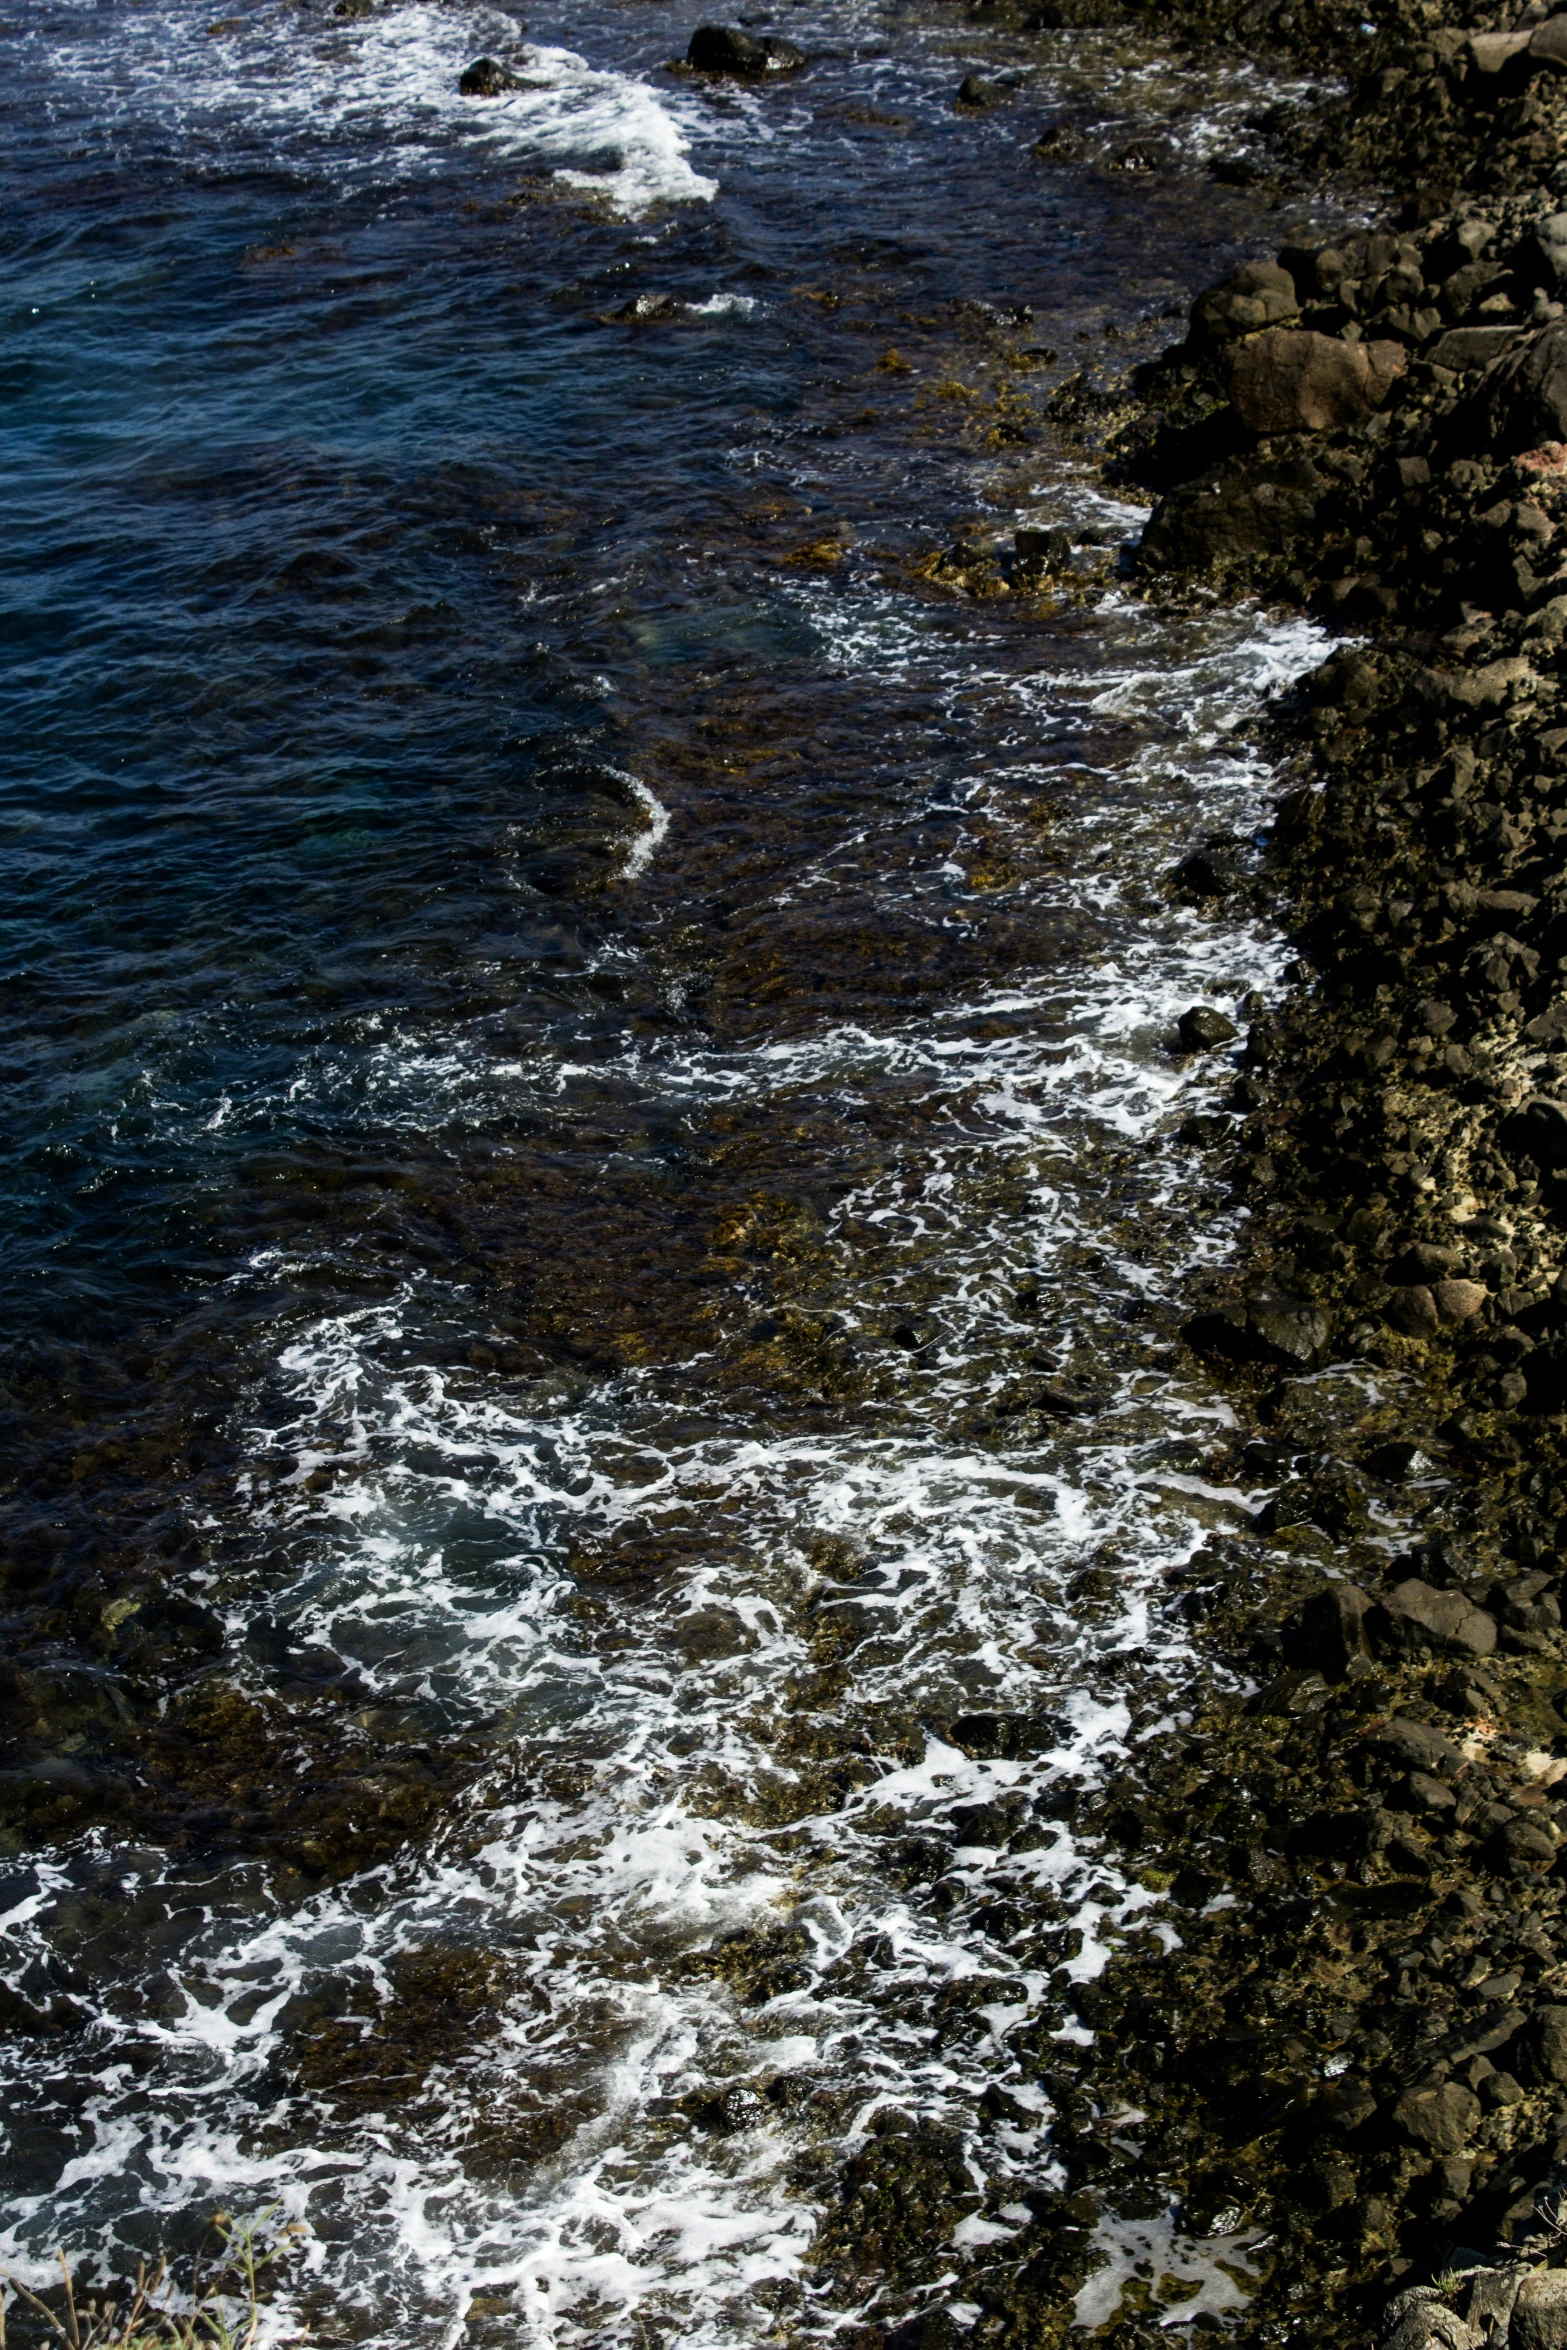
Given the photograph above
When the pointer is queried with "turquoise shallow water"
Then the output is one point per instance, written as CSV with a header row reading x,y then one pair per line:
x,y
567,1013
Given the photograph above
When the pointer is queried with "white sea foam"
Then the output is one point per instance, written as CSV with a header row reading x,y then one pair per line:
x,y
376,98
644,848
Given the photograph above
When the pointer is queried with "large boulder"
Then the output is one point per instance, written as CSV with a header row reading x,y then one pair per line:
x,y
1231,517
1257,295
1548,44
1292,381
1415,1619
1548,2044
1431,2325
1333,1628
723,48
1439,2119
1416,1746
1539,1128
1539,2318
1528,401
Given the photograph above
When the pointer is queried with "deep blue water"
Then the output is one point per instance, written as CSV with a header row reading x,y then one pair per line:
x,y
547,961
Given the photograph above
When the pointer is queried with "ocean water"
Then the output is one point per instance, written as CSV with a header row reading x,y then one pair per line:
x,y
595,1208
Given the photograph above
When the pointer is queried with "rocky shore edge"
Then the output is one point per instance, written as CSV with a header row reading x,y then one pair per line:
x,y
1351,2077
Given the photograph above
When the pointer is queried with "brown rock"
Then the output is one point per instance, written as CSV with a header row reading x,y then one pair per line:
x,y
1548,44
1525,1847
1463,347
1333,1628
1431,2325
1415,1619
1456,1301
1416,1745
1413,1310
1539,2319
1294,381
1491,52
1427,1794
1441,2119
1548,2042
1257,295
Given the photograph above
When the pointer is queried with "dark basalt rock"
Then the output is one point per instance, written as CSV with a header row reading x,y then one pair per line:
x,y
1440,2119
1255,507
1043,550
1203,1030
1333,1633
485,78
978,95
1539,1131
725,49
1257,295
1529,402
647,309
1414,1618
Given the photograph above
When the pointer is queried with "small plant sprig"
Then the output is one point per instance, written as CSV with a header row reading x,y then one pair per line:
x,y
222,2310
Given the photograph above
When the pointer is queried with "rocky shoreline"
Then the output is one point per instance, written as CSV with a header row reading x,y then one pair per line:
x,y
1355,2067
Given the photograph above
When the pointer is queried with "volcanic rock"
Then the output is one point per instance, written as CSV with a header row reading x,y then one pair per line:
x,y
1440,2119
1258,294
487,79
722,48
1414,1619
1294,381
1333,1628
1202,1029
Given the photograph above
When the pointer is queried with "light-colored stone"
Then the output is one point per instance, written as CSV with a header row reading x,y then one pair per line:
x,y
1456,1301
1492,2292
1489,686
1490,52
1548,45
1431,2325
1539,2319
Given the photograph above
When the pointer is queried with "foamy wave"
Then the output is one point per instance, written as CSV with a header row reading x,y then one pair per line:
x,y
378,97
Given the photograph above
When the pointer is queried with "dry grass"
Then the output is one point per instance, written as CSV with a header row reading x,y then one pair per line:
x,y
222,2307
